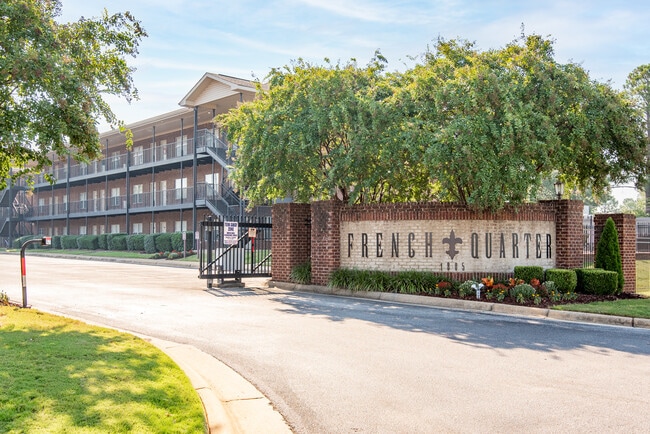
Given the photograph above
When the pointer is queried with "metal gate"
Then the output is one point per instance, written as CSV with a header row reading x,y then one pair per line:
x,y
232,248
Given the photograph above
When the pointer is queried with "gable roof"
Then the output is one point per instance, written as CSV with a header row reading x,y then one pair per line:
x,y
212,87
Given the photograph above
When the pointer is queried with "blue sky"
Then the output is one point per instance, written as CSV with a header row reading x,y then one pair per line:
x,y
247,38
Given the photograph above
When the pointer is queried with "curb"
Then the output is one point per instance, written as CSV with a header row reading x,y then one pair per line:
x,y
232,405
450,303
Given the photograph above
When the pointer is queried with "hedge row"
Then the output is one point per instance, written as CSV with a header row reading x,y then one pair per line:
x,y
149,243
583,280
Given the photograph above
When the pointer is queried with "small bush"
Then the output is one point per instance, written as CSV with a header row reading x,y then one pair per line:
x,y
529,272
301,273
522,292
69,242
565,280
150,243
465,289
164,242
179,245
56,242
4,299
117,242
599,282
608,252
88,242
135,242
102,241
174,255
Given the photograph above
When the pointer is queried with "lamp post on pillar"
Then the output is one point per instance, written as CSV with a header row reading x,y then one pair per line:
x,y
559,189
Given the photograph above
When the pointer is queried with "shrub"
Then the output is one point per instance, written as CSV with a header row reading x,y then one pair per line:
x,y
174,255
465,289
117,242
102,241
598,281
56,242
608,252
164,242
529,272
88,242
407,282
301,273
135,242
522,292
18,242
69,242
150,243
564,280
177,241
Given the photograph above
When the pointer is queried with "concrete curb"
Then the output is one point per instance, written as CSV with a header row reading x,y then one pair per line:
x,y
450,303
232,405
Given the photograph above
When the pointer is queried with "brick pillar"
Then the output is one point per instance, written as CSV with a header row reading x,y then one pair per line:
x,y
626,228
291,238
325,240
568,234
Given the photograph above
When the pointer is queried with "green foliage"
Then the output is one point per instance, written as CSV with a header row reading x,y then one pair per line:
x,y
135,242
88,242
150,243
598,281
405,282
177,241
301,273
529,272
69,242
54,81
522,292
117,242
18,242
4,299
163,242
480,128
563,280
174,255
56,242
102,241
608,252
465,289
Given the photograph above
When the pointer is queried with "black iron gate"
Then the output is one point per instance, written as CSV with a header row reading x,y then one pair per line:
x,y
232,248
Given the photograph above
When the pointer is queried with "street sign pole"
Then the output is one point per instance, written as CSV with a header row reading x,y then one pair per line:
x,y
45,241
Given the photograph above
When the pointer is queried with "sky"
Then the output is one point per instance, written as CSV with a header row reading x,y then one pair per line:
x,y
247,38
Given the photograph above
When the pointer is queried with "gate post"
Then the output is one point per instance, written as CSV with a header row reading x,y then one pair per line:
x,y
208,235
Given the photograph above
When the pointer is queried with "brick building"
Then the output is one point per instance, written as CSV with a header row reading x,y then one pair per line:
x,y
175,173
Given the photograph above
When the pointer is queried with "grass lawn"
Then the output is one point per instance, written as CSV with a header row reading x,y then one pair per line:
x,y
631,308
643,277
59,375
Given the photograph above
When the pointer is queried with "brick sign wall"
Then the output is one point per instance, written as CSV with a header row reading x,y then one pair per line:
x,y
447,245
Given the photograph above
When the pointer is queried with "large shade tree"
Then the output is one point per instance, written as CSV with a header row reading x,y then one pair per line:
x,y
480,128
53,80
638,84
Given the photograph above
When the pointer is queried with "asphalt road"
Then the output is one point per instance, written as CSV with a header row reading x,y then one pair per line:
x,y
342,365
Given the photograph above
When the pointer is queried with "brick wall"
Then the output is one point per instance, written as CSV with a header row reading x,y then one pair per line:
x,y
626,228
327,217
291,238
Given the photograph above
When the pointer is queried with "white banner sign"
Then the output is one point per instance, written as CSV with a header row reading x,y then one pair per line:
x,y
230,232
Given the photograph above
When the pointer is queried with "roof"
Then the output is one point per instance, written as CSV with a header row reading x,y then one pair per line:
x,y
212,87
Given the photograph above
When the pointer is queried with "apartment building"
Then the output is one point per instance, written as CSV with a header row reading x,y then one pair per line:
x,y
175,174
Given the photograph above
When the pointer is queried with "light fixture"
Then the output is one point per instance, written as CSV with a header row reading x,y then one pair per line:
x,y
559,189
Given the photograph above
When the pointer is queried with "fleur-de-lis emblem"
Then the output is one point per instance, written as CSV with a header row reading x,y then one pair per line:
x,y
452,241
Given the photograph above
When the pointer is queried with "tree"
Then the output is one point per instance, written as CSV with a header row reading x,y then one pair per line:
x,y
634,206
318,132
490,126
638,84
479,128
608,252
53,77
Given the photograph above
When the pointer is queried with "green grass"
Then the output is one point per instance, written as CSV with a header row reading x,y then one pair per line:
x,y
63,376
643,277
639,308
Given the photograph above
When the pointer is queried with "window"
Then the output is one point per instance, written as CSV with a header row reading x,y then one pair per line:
x,y
137,194
115,229
181,146
95,230
138,156
152,227
115,161
181,188
137,228
163,149
82,230
115,197
83,203
65,205
180,226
